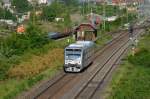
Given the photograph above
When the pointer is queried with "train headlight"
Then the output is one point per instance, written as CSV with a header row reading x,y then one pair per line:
x,y
79,62
66,62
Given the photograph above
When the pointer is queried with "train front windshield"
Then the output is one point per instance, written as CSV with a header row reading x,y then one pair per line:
x,y
73,54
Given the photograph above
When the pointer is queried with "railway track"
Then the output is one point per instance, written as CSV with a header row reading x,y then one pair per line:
x,y
100,89
95,81
87,89
83,85
46,84
37,91
66,77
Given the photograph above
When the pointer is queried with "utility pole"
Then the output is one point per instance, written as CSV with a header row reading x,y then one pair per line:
x,y
120,13
126,11
139,9
104,15
83,7
88,4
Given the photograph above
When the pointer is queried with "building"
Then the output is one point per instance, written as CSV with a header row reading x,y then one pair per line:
x,y
6,3
41,1
125,2
85,32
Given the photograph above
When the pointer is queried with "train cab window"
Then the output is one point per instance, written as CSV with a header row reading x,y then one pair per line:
x,y
73,56
73,49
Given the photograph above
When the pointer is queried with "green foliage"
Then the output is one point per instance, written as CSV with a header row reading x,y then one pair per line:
x,y
54,10
33,17
21,6
71,2
35,36
6,14
67,20
142,58
109,10
16,45
109,26
131,81
49,13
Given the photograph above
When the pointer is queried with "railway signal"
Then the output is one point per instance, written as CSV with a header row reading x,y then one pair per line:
x,y
131,31
134,44
133,50
68,40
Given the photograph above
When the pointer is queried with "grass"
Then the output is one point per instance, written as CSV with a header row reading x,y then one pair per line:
x,y
131,82
30,68
132,79
10,88
31,71
37,64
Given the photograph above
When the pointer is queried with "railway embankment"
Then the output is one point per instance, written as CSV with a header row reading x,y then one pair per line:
x,y
131,80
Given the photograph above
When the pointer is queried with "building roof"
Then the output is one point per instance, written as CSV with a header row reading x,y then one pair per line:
x,y
6,1
86,25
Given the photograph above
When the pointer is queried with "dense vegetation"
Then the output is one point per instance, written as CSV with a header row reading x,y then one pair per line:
x,y
132,79
106,10
16,45
21,6
57,10
54,10
74,3
28,58
142,58
6,14
109,26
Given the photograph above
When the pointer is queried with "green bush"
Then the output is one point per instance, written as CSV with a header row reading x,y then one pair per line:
x,y
6,14
17,44
13,47
142,58
52,11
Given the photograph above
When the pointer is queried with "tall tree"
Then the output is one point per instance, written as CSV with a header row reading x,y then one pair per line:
x,y
21,6
49,13
71,2
6,14
54,10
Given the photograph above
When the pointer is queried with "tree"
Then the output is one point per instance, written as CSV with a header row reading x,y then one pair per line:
x,y
67,21
21,6
59,8
54,10
35,36
6,14
49,13
71,2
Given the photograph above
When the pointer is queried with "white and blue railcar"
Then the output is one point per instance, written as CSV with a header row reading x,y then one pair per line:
x,y
78,56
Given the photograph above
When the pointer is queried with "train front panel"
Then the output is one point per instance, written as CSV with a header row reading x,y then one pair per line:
x,y
73,60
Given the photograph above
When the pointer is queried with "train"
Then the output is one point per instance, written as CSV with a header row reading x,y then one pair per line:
x,y
58,35
78,56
